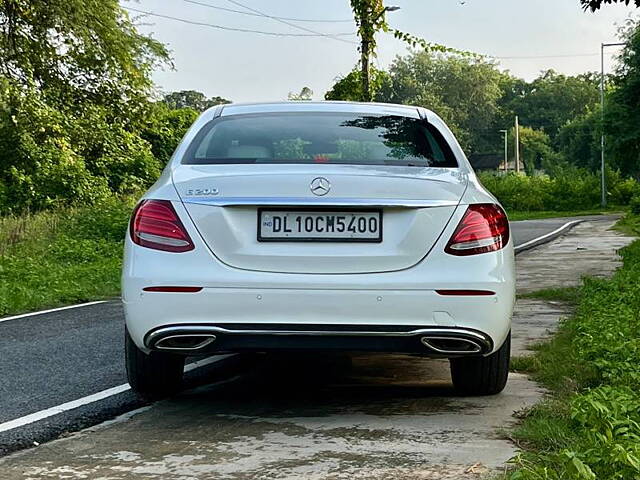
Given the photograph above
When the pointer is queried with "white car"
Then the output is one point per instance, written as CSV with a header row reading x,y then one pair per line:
x,y
323,226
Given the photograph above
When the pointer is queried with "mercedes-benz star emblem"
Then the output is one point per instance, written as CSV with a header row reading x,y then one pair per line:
x,y
320,186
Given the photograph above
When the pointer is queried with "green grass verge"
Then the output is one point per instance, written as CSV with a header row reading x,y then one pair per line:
x,y
563,294
589,428
515,216
629,225
57,258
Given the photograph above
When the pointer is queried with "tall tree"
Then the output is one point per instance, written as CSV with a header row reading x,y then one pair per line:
x,y
74,83
622,108
464,91
552,100
76,50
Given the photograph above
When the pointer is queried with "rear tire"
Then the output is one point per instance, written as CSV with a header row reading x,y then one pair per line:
x,y
154,375
479,376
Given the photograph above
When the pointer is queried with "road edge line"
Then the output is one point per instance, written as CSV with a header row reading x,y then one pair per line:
x,y
548,237
94,397
51,310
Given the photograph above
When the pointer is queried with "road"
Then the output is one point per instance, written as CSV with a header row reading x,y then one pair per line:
x,y
59,357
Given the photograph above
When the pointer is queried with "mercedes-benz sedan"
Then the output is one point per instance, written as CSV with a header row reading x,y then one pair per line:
x,y
318,227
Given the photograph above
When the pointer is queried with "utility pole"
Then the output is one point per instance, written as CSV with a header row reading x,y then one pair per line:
x,y
506,148
603,181
368,22
517,146
365,46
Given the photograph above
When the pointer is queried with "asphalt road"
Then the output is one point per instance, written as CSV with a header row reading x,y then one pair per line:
x,y
58,357
527,230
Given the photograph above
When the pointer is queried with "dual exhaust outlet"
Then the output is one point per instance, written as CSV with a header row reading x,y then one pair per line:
x,y
443,342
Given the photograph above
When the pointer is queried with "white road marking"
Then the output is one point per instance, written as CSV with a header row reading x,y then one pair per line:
x,y
109,392
547,235
42,312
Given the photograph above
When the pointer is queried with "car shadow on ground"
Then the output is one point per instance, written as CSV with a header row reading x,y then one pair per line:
x,y
312,384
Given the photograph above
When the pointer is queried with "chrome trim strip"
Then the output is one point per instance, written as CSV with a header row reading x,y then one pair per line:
x,y
318,202
204,329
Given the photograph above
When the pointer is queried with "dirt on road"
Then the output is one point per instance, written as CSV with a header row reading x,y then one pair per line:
x,y
368,416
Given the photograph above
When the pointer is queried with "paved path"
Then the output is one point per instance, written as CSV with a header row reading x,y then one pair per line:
x,y
353,417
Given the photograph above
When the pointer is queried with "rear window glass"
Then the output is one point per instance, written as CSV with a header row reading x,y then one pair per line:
x,y
337,138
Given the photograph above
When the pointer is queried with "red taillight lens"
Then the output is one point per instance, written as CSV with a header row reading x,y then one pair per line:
x,y
155,224
484,228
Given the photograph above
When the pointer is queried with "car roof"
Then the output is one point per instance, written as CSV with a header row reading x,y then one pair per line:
x,y
329,106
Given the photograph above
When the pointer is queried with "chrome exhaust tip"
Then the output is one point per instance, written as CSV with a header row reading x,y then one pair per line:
x,y
185,342
452,345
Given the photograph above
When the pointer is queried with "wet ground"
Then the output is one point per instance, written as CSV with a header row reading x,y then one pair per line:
x,y
334,417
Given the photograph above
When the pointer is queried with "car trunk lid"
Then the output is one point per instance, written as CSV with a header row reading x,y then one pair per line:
x,y
225,201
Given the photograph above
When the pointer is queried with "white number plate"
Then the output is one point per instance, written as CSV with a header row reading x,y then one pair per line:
x,y
320,226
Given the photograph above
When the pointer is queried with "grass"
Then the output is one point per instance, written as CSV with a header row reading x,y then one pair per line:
x,y
67,256
629,225
589,427
562,294
515,216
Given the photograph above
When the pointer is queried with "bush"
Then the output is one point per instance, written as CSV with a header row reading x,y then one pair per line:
x,y
568,189
52,157
634,204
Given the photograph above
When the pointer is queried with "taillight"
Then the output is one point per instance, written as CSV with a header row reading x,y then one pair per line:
x,y
155,224
483,228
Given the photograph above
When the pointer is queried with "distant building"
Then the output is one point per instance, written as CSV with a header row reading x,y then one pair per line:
x,y
492,161
486,161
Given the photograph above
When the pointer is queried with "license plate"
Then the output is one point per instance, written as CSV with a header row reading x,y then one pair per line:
x,y
319,226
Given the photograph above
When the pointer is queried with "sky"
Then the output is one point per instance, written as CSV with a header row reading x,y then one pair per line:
x,y
245,67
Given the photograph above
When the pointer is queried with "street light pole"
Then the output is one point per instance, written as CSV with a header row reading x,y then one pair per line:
x,y
517,127
603,184
506,148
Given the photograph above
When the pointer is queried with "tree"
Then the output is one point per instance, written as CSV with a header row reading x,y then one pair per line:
x,y
464,91
192,99
535,148
349,87
305,95
622,112
551,100
594,5
74,83
579,140
77,51
165,128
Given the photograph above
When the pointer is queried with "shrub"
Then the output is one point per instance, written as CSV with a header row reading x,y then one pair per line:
x,y
635,204
567,189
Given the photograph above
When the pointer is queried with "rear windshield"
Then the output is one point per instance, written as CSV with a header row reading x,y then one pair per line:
x,y
338,138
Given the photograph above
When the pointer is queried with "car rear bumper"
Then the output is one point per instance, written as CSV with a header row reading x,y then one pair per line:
x,y
210,339
244,319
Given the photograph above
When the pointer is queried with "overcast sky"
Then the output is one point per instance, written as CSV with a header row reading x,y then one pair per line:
x,y
252,67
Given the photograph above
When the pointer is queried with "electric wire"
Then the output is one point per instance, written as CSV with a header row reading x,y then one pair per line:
x,y
252,14
235,29
285,22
